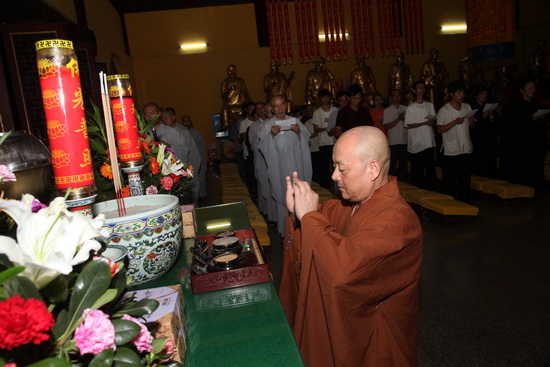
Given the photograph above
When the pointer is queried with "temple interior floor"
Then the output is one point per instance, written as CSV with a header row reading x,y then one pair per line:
x,y
485,284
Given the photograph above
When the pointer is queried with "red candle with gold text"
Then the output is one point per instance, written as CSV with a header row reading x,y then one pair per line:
x,y
65,118
122,105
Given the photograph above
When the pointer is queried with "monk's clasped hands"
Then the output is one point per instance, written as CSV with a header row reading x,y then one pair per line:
x,y
300,198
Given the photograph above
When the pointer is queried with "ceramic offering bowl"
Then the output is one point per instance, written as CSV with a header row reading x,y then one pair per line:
x,y
115,253
226,261
151,230
226,244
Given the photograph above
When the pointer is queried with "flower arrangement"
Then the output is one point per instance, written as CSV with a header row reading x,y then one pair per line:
x,y
163,172
59,306
6,175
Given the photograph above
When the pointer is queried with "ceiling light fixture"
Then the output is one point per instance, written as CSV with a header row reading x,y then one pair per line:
x,y
193,45
458,28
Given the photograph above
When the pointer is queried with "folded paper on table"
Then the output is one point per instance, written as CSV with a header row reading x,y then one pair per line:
x,y
168,317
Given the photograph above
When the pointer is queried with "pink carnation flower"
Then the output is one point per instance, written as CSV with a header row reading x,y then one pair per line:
x,y
167,183
6,175
95,334
151,190
144,339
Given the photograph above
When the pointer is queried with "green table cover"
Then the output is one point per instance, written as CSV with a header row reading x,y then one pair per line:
x,y
243,326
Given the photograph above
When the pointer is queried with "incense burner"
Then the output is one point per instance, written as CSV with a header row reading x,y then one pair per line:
x,y
151,230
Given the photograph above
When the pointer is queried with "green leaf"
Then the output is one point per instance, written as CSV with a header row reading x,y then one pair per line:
x,y
93,129
22,286
98,146
119,282
57,291
105,298
10,273
51,362
140,308
159,344
60,324
125,331
103,359
4,137
89,287
125,357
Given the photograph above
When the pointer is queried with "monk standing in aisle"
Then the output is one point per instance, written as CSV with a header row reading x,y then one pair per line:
x,y
352,267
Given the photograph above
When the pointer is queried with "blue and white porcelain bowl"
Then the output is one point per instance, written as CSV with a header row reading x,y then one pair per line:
x,y
151,230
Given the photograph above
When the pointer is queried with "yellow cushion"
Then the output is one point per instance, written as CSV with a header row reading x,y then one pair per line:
x,y
509,190
405,190
478,182
450,207
419,195
404,185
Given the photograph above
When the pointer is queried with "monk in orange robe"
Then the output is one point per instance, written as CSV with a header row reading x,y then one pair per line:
x,y
352,267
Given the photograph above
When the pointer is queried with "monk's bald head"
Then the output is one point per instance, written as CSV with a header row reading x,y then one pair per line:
x,y
368,143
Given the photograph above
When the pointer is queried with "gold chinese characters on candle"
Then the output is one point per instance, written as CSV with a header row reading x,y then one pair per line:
x,y
126,131
65,117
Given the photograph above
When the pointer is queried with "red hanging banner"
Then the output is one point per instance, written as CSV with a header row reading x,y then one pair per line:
x,y
354,29
364,28
299,25
381,25
281,33
371,28
270,29
315,29
420,9
343,29
328,48
408,28
306,25
288,33
337,30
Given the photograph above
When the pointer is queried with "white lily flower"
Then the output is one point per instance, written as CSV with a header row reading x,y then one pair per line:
x,y
160,154
169,167
51,241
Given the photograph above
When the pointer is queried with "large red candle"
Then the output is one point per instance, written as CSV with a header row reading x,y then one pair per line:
x,y
126,131
65,118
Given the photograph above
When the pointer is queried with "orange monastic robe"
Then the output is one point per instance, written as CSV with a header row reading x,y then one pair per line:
x,y
350,282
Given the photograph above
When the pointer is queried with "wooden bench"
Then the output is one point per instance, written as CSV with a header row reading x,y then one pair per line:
x,y
449,210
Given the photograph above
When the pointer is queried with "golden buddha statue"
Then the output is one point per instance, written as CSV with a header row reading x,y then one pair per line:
x,y
363,76
435,76
317,79
234,94
401,79
276,83
471,76
537,62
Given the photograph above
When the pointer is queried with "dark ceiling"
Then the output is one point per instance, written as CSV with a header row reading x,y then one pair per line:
x,y
135,6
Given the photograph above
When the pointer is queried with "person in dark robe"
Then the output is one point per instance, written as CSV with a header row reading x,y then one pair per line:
x,y
524,138
484,135
352,267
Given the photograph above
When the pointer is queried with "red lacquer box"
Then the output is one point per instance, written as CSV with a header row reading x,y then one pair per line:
x,y
252,271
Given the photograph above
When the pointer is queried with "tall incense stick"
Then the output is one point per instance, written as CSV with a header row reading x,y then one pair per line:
x,y
111,143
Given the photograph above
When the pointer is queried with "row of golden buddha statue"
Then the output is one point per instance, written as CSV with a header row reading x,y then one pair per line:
x,y
434,73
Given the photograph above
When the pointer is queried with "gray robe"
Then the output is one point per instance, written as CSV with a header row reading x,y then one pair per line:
x,y
284,153
199,141
266,204
185,149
